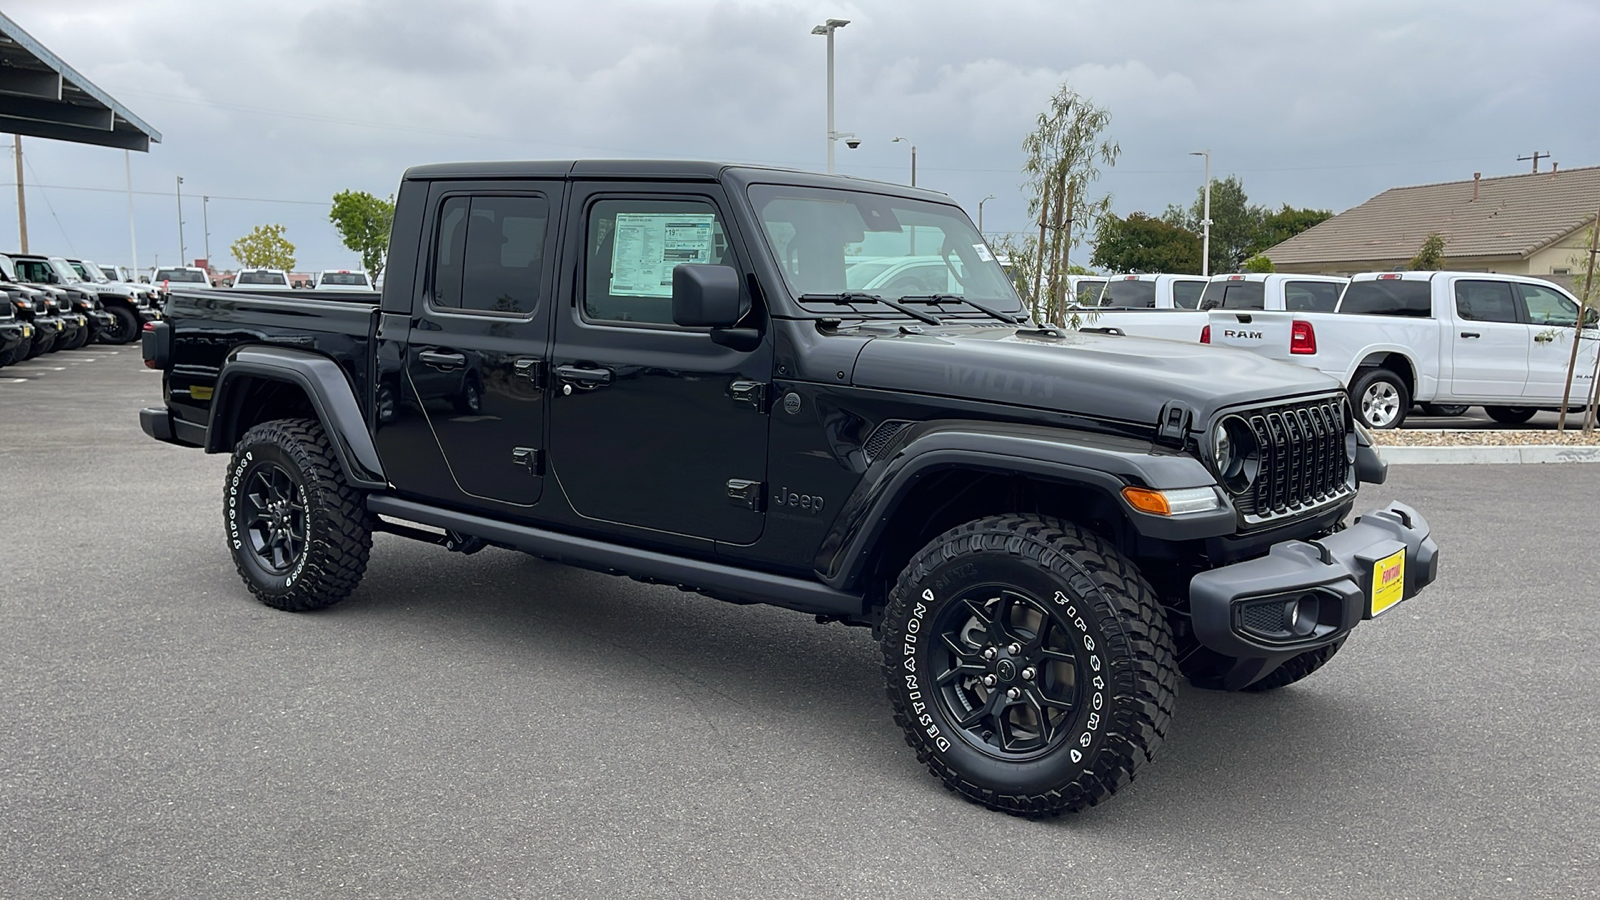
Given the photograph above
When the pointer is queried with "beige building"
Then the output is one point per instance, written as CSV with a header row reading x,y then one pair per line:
x,y
1534,224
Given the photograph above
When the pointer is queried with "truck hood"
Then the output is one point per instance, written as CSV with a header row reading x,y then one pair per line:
x,y
1108,377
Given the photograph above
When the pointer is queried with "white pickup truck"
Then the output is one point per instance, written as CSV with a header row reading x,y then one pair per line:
x,y
1168,306
1437,338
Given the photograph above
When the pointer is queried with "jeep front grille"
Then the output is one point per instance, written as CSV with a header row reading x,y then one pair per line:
x,y
1302,459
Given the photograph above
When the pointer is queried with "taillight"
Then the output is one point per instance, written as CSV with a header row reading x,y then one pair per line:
x,y
1302,337
1205,335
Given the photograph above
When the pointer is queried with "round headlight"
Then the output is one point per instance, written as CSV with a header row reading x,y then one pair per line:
x,y
1234,454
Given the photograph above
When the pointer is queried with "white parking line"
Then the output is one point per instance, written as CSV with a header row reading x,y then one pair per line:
x,y
12,380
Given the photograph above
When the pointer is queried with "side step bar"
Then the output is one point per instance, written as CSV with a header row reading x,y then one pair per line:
x,y
718,580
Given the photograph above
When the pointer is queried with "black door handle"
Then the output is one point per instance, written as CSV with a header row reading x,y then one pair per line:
x,y
443,360
1470,334
584,376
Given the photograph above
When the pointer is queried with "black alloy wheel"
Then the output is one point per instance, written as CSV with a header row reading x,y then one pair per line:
x,y
124,329
274,510
1010,678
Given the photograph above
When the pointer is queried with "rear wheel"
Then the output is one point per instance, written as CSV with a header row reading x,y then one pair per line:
x,y
1029,664
1510,415
299,534
1381,399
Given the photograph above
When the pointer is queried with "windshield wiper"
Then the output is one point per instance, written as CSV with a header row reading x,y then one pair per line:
x,y
864,297
990,311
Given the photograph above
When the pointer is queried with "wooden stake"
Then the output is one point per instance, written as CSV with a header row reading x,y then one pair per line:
x,y
1577,330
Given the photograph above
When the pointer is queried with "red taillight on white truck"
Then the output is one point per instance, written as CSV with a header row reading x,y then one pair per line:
x,y
1302,337
1205,335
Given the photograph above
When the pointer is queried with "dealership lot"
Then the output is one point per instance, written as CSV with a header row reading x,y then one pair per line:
x,y
498,726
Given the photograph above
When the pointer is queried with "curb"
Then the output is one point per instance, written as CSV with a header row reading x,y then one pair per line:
x,y
1524,454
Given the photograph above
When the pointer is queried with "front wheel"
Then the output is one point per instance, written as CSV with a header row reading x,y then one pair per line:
x,y
1029,664
1511,415
299,534
124,328
1381,399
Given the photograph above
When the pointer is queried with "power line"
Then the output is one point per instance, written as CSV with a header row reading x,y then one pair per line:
x,y
124,191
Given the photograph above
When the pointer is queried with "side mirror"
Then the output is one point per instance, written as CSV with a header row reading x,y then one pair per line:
x,y
707,296
1591,318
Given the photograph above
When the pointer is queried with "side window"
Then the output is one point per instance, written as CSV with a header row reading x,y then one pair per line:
x,y
1485,301
632,248
1186,294
490,253
1311,296
1546,307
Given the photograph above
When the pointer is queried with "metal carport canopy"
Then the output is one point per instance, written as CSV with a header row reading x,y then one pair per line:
x,y
41,96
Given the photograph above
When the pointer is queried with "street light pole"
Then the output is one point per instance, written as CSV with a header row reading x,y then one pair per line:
x,y
183,249
133,234
828,28
1205,218
205,222
913,158
980,213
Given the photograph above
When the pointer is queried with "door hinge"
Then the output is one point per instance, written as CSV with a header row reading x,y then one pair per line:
x,y
530,370
529,458
747,494
753,393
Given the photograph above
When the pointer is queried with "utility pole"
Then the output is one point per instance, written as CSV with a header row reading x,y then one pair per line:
x,y
183,249
205,220
22,197
1537,155
133,236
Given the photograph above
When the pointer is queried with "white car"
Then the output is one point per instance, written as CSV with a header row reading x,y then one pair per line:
x,y
1443,339
343,280
263,280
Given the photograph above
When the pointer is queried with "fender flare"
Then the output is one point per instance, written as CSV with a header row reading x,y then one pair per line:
x,y
1100,462
328,388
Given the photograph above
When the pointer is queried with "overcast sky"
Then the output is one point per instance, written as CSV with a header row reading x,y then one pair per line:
x,y
271,107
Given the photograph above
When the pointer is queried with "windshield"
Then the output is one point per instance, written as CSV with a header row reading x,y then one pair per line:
x,y
828,241
65,270
5,266
1233,295
358,279
1130,294
261,278
191,276
88,271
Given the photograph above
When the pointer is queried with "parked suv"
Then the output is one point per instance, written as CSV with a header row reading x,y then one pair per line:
x,y
678,382
129,305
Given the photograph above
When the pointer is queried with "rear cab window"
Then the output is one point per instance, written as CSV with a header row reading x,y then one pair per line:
x,y
1310,296
1234,295
1186,294
1130,294
1388,297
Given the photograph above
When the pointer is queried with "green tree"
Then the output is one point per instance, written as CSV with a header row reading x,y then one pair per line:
x,y
264,247
1064,152
1430,257
1287,222
1258,263
1141,243
1236,226
363,222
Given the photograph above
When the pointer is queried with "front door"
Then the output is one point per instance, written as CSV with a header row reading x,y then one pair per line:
x,y
653,426
1489,346
479,338
1553,318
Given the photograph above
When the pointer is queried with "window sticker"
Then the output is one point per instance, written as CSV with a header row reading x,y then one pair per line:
x,y
649,245
983,252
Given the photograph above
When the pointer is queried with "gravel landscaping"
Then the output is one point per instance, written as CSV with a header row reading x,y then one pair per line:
x,y
1440,437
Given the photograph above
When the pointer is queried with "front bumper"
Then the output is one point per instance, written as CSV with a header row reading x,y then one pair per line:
x,y
1306,594
148,314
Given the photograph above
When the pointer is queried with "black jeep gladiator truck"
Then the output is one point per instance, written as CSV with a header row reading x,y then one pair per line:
x,y
815,392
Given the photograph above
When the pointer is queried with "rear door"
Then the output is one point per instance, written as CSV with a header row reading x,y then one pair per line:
x,y
1490,342
475,360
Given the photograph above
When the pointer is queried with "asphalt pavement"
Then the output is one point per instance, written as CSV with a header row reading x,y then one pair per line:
x,y
497,726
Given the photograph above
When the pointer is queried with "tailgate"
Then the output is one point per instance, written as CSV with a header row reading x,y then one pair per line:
x,y
1266,333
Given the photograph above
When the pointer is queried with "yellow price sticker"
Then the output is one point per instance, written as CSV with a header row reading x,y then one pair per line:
x,y
1388,581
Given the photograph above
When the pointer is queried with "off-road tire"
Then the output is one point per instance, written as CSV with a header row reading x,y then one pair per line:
x,y
1295,669
16,354
1388,404
1511,415
1089,601
40,346
337,529
127,329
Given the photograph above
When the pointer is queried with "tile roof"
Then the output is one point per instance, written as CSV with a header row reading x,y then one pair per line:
x,y
1514,215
